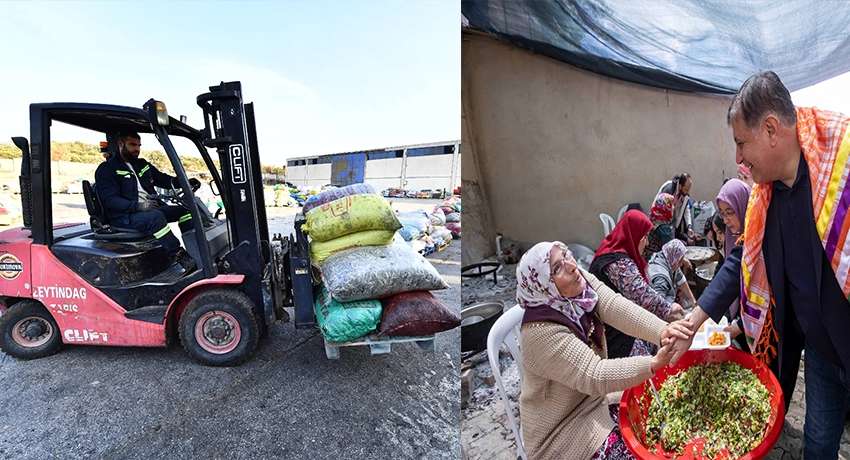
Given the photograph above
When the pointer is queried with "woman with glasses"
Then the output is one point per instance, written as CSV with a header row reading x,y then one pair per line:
x,y
568,402
732,205
619,263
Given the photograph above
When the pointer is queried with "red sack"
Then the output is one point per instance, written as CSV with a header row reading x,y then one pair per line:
x,y
415,313
454,227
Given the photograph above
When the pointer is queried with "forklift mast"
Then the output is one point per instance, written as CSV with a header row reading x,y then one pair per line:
x,y
229,128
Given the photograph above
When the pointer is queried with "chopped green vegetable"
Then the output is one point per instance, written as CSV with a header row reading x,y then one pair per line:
x,y
725,403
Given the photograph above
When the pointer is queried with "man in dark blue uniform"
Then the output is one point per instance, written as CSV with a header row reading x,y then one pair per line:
x,y
123,183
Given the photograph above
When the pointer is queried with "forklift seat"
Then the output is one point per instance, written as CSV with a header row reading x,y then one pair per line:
x,y
100,224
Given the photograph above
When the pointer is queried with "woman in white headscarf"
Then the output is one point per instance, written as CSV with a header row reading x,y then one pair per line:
x,y
564,403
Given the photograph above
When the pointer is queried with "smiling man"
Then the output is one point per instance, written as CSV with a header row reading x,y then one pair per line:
x,y
795,259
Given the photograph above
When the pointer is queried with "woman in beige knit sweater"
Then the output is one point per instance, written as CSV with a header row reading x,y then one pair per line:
x,y
564,404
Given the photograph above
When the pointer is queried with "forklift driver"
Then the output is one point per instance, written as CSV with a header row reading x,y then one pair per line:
x,y
123,183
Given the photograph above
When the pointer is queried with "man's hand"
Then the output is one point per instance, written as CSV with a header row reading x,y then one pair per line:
x,y
678,336
681,345
147,205
675,331
733,330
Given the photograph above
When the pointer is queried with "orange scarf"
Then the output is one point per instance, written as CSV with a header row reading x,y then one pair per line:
x,y
825,141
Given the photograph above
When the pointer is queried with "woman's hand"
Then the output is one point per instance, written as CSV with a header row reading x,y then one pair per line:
x,y
676,312
677,336
680,329
664,355
733,330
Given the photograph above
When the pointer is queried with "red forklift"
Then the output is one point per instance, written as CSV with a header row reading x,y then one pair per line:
x,y
92,283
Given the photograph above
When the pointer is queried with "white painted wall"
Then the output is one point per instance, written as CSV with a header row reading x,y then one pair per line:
x,y
422,172
429,172
549,146
383,173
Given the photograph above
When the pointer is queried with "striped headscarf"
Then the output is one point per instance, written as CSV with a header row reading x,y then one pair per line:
x,y
825,141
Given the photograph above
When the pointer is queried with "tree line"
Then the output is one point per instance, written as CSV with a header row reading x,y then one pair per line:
x,y
81,152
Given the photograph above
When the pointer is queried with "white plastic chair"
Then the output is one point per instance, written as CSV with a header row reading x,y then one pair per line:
x,y
506,330
607,223
622,211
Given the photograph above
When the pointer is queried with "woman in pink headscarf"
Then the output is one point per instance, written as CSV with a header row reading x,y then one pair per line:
x,y
744,175
661,216
565,406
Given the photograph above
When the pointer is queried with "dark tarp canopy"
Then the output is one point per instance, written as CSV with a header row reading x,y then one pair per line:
x,y
703,46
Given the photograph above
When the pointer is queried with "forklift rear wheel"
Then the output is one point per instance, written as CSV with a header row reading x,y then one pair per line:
x,y
219,328
29,331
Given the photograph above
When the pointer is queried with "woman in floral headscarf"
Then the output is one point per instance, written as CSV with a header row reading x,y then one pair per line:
x,y
567,375
661,216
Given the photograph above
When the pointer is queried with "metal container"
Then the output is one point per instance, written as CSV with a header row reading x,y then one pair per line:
x,y
704,275
699,255
475,324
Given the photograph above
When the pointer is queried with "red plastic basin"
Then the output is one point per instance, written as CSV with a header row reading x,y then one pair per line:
x,y
632,418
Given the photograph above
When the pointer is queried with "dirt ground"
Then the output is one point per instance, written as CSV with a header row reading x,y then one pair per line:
x,y
288,401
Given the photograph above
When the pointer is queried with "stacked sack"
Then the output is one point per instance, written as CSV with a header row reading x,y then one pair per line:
x,y
301,196
348,217
427,233
451,209
363,272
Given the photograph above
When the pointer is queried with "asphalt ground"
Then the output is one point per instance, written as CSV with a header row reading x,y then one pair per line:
x,y
287,401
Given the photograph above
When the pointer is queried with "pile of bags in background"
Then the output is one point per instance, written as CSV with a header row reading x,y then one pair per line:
x,y
427,233
301,196
371,279
10,208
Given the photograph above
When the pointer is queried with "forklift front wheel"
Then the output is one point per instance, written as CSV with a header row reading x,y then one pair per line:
x,y
29,331
218,327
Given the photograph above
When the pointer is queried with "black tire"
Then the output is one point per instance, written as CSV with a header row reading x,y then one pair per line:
x,y
28,331
219,328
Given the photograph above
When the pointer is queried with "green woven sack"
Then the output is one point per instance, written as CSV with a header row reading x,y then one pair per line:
x,y
344,321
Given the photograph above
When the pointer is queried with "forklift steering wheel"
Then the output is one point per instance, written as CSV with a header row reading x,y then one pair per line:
x,y
178,195
176,199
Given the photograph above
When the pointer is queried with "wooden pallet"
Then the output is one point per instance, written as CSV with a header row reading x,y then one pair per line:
x,y
379,345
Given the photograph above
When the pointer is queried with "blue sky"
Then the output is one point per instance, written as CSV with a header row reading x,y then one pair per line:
x,y
324,76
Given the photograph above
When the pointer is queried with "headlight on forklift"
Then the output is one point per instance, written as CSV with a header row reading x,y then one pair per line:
x,y
161,114
156,110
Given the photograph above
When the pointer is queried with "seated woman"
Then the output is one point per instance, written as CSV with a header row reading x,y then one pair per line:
x,y
564,409
718,230
666,277
618,263
661,216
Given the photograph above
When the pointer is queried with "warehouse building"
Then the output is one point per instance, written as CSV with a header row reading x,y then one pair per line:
x,y
411,167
